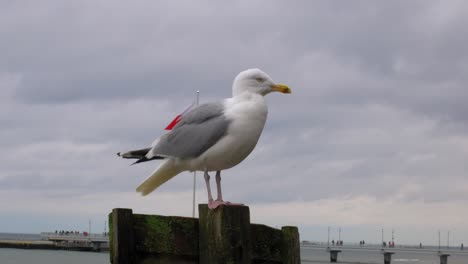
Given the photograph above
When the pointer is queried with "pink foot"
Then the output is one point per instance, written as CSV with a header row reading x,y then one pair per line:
x,y
233,204
215,204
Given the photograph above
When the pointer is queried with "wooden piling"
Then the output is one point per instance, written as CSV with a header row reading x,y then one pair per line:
x,y
225,235
121,238
290,249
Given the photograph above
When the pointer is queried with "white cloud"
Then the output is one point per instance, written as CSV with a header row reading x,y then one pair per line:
x,y
361,210
350,213
363,217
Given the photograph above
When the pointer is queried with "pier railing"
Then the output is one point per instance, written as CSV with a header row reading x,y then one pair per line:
x,y
52,236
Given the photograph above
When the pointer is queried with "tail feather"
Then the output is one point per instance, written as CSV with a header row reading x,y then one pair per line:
x,y
134,154
145,159
166,171
139,154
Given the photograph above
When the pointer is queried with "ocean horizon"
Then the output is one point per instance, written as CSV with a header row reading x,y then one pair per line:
x,y
37,236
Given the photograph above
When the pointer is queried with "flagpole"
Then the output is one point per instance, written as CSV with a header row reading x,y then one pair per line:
x,y
195,172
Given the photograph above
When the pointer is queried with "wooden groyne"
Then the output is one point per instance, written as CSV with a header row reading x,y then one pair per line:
x,y
223,235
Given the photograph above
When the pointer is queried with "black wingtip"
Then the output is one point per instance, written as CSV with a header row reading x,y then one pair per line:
x,y
118,154
138,161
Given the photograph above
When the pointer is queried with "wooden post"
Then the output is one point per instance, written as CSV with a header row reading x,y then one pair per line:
x,y
290,248
224,235
121,239
443,258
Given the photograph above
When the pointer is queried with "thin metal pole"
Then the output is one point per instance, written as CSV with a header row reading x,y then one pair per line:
x,y
328,243
195,172
382,237
448,239
439,240
193,198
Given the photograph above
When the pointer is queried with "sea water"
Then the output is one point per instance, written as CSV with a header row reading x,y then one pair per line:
x,y
37,256
308,255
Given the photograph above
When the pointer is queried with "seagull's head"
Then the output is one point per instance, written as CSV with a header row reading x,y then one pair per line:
x,y
256,81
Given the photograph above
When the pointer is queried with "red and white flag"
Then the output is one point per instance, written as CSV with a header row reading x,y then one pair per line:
x,y
176,120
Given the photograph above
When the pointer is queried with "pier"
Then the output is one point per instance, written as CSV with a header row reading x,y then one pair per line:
x,y
373,253
78,241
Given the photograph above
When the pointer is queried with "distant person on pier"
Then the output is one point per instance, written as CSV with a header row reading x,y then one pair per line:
x,y
420,245
461,246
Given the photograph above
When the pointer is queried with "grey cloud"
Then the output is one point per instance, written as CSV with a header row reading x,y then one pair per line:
x,y
378,99
108,57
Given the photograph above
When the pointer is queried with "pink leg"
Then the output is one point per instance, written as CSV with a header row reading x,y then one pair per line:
x,y
207,181
218,186
219,201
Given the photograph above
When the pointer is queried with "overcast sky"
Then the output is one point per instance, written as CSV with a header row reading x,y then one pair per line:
x,y
374,134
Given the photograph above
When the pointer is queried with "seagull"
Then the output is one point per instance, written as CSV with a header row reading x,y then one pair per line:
x,y
212,137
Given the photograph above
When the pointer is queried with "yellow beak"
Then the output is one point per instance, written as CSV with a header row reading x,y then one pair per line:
x,y
282,88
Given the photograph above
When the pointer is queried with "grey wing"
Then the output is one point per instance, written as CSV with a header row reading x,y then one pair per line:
x,y
196,132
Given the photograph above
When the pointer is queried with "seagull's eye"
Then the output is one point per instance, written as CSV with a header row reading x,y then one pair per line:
x,y
260,79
